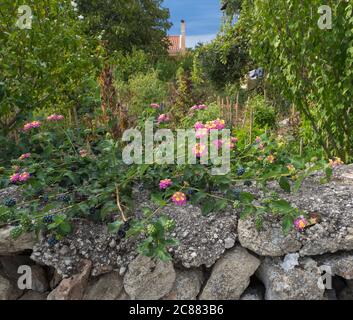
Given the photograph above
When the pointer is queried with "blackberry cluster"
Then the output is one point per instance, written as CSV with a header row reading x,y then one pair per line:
x,y
248,183
124,228
52,241
64,198
93,211
48,219
74,168
190,192
240,171
10,202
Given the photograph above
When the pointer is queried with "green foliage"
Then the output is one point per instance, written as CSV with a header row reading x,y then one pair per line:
x,y
223,61
124,25
157,242
128,65
141,90
184,97
45,67
310,66
264,113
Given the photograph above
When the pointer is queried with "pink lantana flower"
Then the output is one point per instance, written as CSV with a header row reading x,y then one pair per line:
x,y
179,198
199,150
164,184
218,144
55,117
234,140
258,140
15,178
217,124
24,176
24,156
163,118
300,223
155,105
200,133
31,125
198,107
199,125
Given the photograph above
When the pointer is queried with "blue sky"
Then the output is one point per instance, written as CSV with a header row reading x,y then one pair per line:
x,y
203,19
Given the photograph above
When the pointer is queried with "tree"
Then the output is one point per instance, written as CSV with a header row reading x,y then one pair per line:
x,y
124,25
45,67
312,67
225,60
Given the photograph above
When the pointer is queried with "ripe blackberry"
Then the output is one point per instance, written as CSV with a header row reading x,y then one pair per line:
x,y
10,202
240,171
48,219
126,226
74,168
64,198
121,234
45,198
190,192
52,241
248,183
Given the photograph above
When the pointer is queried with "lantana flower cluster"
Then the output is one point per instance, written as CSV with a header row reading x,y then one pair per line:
x,y
179,198
155,106
163,118
55,117
300,223
24,156
20,177
165,184
198,107
31,125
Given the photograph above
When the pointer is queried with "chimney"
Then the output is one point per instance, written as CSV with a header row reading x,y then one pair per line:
x,y
183,36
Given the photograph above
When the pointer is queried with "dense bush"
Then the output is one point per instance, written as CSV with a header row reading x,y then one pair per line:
x,y
45,67
264,113
140,91
310,66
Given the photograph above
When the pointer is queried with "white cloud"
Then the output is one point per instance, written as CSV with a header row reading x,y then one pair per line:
x,y
192,41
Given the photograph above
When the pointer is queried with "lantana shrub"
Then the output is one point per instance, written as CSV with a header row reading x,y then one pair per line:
x,y
67,174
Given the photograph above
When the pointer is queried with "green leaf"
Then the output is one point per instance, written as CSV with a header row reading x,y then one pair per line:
x,y
157,198
220,205
115,226
207,207
246,197
65,227
284,184
281,206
